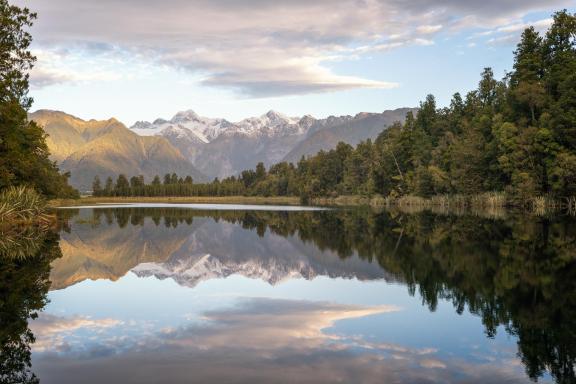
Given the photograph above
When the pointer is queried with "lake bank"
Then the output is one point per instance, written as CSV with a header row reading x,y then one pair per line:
x,y
257,200
493,204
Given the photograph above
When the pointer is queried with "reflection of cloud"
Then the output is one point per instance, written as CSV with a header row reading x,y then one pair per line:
x,y
431,363
50,330
271,324
263,341
265,48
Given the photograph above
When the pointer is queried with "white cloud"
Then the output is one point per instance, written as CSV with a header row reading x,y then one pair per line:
x,y
427,29
55,67
509,34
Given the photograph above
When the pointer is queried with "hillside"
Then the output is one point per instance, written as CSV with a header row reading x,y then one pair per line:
x,y
326,134
107,148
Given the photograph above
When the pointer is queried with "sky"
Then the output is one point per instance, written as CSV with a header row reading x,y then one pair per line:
x,y
144,59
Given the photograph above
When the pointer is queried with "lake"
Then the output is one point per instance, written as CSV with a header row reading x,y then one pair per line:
x,y
226,294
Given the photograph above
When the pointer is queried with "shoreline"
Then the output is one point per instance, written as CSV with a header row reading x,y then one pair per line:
x,y
252,200
487,204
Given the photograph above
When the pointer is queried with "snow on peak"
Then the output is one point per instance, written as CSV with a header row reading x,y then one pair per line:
x,y
185,116
203,128
206,129
142,125
191,271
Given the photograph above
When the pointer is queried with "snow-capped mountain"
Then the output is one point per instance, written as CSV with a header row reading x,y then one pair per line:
x,y
271,124
205,129
220,148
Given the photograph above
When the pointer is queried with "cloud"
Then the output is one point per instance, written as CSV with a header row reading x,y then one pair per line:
x,y
263,48
427,29
509,34
58,67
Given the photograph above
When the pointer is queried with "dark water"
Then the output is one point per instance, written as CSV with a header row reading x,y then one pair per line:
x,y
172,295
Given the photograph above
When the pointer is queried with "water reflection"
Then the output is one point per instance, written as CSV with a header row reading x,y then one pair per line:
x,y
517,274
25,256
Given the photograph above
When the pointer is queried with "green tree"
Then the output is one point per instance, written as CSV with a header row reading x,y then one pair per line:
x,y
260,172
559,51
109,186
96,186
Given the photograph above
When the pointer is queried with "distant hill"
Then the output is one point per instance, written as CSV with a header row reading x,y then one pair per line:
x,y
326,134
107,148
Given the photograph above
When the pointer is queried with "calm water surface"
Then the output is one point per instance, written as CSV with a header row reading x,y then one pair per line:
x,y
176,294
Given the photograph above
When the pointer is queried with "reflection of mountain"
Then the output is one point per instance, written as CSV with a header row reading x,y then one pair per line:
x,y
217,250
190,253
103,251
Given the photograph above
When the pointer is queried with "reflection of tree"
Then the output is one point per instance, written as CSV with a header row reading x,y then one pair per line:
x,y
23,287
519,272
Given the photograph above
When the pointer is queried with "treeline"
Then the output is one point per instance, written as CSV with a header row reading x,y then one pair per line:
x,y
516,136
170,185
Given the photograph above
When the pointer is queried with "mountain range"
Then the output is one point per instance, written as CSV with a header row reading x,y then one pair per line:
x,y
189,144
220,148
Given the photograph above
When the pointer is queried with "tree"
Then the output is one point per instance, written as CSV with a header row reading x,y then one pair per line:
x,y
137,181
109,187
260,171
156,180
559,56
122,184
531,94
23,150
96,186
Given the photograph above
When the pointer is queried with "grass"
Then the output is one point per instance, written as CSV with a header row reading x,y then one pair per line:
x,y
24,222
22,205
493,204
20,242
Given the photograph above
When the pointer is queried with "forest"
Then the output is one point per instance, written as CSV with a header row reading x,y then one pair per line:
x,y
515,137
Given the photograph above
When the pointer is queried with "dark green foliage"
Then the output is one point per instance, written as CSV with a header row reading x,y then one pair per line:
x,y
23,150
24,283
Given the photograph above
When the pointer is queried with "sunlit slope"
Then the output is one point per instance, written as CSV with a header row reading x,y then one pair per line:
x,y
107,148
